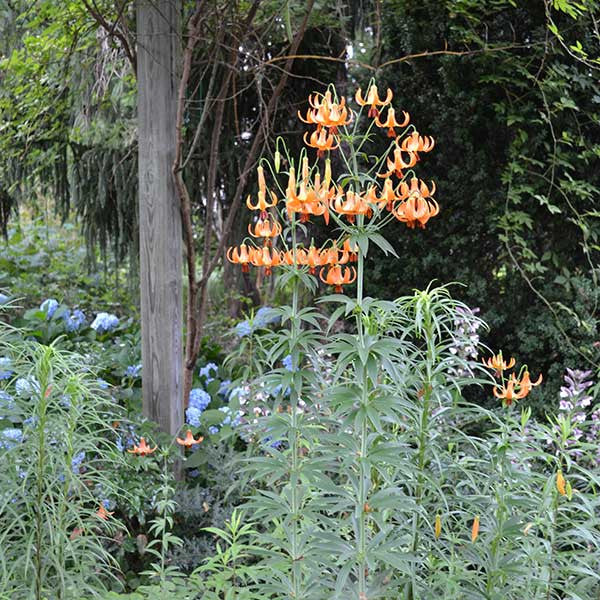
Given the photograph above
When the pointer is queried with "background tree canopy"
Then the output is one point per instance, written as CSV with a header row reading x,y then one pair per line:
x,y
509,89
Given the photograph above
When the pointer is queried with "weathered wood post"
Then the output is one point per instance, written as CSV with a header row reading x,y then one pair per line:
x,y
159,40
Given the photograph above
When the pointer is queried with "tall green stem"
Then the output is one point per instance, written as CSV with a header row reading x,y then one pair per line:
x,y
423,436
294,396
364,471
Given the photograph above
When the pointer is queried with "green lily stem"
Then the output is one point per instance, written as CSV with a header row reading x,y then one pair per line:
x,y
294,396
423,439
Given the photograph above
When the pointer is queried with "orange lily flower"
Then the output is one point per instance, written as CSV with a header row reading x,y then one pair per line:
x,y
265,229
417,187
352,250
515,389
262,204
189,440
143,449
313,258
311,200
391,122
337,277
388,195
335,256
103,514
373,99
240,257
351,206
265,257
415,143
498,363
321,140
327,113
416,211
398,164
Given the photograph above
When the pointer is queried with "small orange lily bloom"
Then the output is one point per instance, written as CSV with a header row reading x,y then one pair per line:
x,y
417,187
391,122
335,256
337,277
313,258
373,99
262,203
240,257
498,363
352,250
475,528
351,205
321,140
189,440
416,211
327,113
311,200
515,389
265,229
103,514
398,164
265,257
143,449
388,195
415,143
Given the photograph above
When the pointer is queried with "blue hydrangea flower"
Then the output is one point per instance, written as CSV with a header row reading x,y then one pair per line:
x,y
76,462
206,371
104,322
192,416
237,419
65,401
133,370
242,329
6,403
264,316
5,365
31,421
102,384
287,362
106,503
193,472
26,387
49,306
224,388
213,430
9,438
119,444
199,399
4,298
74,320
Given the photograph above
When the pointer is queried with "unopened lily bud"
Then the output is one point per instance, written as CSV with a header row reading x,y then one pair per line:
x,y
560,483
475,528
438,526
327,173
305,168
277,161
262,185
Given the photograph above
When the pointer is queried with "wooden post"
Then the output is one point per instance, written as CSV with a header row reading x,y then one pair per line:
x,y
159,39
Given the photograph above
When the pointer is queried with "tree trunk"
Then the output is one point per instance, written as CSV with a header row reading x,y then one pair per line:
x,y
159,36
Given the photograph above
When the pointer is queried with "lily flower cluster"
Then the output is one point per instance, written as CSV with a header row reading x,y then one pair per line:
x,y
311,192
513,387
